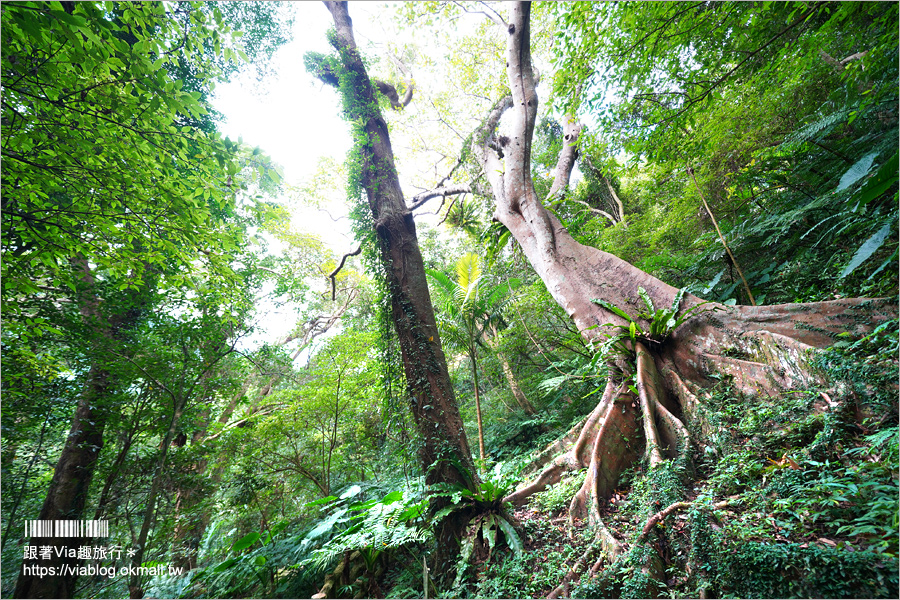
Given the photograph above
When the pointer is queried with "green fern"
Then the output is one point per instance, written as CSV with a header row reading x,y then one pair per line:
x,y
374,527
660,323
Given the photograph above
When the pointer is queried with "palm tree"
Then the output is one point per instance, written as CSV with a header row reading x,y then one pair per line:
x,y
467,309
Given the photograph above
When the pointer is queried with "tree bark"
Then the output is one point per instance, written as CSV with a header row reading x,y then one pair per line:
x,y
775,343
69,487
444,452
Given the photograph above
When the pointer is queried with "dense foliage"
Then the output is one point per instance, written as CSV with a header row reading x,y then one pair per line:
x,y
138,244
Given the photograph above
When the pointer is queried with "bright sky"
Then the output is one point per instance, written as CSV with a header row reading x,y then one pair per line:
x,y
278,117
296,121
292,118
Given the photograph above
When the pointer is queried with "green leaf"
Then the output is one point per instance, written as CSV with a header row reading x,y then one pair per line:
x,y
395,496
468,545
859,170
225,565
869,247
881,182
489,532
245,542
714,282
444,512
646,298
612,308
512,538
890,261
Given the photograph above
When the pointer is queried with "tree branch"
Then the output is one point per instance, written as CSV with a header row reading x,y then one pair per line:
x,y
444,191
334,273
597,211
566,161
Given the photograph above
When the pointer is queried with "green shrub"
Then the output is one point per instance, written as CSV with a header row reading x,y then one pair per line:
x,y
765,570
557,497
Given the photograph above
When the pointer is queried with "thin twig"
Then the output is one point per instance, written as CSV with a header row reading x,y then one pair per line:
x,y
721,237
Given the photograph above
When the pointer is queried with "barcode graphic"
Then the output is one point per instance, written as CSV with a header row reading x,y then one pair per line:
x,y
67,528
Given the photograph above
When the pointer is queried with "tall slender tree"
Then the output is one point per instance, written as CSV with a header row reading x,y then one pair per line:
x,y
444,451
469,310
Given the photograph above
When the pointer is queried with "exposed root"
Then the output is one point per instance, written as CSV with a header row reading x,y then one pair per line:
x,y
563,587
688,399
650,392
613,452
674,428
662,515
350,570
611,431
766,363
749,377
575,458
343,571
615,435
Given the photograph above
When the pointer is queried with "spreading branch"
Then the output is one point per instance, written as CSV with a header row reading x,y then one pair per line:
x,y
596,211
840,65
567,156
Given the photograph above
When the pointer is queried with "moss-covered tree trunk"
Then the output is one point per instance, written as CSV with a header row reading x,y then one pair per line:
x,y
444,453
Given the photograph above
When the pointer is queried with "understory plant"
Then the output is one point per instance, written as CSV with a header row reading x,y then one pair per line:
x,y
490,523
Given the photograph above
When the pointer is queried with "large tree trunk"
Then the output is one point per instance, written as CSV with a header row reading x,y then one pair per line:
x,y
444,451
68,491
764,348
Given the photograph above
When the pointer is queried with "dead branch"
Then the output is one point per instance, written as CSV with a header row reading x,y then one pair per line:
x,y
722,238
325,73
390,92
334,273
443,191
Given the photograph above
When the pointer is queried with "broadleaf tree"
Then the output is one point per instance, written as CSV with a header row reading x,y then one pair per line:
x,y
114,186
763,349
603,294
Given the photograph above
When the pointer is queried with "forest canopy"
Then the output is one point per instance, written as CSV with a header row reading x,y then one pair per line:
x,y
619,318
